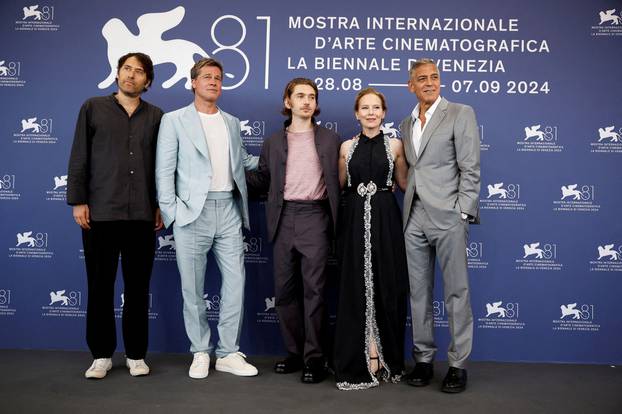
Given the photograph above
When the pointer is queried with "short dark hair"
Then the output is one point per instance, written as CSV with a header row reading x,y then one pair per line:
x,y
145,62
289,89
369,91
194,71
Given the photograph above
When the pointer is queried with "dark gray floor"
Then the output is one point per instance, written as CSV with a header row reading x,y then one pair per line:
x,y
53,382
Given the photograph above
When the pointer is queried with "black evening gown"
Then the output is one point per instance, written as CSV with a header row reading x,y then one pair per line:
x,y
373,285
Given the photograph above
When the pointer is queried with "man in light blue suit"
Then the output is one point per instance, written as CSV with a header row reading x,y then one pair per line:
x,y
200,162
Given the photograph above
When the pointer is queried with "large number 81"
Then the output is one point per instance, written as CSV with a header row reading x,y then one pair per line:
x,y
234,47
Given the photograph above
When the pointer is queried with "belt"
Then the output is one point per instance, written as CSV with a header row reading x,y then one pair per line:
x,y
219,195
370,188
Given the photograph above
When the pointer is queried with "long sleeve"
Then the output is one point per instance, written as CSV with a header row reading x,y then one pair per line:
x,y
79,160
166,165
468,158
259,180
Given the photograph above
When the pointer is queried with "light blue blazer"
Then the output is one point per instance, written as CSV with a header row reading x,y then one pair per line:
x,y
184,170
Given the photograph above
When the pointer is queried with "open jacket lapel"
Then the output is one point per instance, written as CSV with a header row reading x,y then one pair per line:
x,y
433,123
192,124
407,139
234,143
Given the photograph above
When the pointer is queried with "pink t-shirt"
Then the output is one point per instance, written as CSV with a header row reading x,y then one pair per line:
x,y
304,179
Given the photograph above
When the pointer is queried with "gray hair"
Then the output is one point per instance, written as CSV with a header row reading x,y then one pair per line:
x,y
421,62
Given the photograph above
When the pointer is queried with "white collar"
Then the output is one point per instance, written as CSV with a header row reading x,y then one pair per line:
x,y
428,113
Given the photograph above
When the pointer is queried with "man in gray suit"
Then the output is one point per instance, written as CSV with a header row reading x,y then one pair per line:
x,y
441,142
200,162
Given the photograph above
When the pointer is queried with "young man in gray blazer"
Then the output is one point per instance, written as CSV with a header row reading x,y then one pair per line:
x,y
441,142
299,170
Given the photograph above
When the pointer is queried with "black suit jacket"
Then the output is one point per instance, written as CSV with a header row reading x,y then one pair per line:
x,y
270,175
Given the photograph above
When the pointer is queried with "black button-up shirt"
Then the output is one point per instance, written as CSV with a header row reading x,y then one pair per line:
x,y
112,162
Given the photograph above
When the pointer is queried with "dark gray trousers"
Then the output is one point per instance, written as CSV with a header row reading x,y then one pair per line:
x,y
301,248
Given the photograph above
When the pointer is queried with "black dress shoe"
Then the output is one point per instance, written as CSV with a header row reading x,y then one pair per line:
x,y
421,375
290,364
314,371
455,381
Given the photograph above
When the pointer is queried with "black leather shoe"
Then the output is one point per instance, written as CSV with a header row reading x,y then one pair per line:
x,y
290,364
455,381
421,374
314,371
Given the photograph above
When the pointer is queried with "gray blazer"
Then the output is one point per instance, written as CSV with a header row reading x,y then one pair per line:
x,y
270,176
184,170
446,174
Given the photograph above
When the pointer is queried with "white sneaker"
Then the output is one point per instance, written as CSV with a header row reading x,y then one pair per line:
x,y
99,368
137,367
236,364
200,365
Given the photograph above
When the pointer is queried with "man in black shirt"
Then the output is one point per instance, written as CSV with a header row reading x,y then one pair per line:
x,y
111,186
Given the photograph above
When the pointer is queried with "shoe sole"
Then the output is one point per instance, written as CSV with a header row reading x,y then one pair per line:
x,y
312,382
235,372
198,376
97,376
139,374
418,384
453,390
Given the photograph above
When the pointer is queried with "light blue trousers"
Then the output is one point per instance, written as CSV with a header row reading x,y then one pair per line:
x,y
219,227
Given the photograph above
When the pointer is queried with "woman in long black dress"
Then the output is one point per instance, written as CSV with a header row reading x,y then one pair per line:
x,y
371,314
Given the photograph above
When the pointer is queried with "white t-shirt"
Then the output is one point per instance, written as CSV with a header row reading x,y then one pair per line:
x,y
217,139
